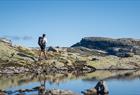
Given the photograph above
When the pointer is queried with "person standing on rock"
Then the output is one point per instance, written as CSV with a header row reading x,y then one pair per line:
x,y
42,41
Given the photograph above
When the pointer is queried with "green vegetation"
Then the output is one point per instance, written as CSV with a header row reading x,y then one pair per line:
x,y
25,51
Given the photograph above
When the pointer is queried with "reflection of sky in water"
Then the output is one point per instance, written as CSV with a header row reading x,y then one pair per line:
x,y
124,87
116,87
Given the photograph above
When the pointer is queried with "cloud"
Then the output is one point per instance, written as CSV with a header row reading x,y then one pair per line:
x,y
18,37
27,38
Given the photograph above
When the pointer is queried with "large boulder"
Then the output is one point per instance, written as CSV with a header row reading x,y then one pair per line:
x,y
53,49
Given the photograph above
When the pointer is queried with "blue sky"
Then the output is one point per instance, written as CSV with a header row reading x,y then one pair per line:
x,y
65,22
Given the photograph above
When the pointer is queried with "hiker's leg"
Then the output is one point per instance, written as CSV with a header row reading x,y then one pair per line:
x,y
40,55
45,54
40,52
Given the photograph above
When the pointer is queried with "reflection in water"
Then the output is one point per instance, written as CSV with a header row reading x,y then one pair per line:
x,y
101,88
7,81
16,81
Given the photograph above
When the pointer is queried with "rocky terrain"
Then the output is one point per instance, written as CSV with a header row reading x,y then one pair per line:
x,y
17,59
41,91
120,47
88,55
69,62
108,53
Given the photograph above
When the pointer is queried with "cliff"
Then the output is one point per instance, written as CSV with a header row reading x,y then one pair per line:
x,y
112,46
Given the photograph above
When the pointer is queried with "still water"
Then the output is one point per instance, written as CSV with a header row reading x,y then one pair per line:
x,y
119,82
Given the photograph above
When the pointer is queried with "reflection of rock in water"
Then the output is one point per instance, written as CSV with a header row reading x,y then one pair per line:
x,y
7,81
20,79
126,75
115,74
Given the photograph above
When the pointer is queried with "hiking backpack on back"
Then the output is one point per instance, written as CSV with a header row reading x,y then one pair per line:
x,y
40,41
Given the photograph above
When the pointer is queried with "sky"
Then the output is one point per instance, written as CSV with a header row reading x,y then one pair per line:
x,y
65,22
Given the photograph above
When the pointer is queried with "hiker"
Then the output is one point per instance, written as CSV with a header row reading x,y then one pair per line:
x,y
101,88
42,43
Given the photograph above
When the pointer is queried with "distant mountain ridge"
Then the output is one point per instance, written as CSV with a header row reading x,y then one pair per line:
x,y
109,44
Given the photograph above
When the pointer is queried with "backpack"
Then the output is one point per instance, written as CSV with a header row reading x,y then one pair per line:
x,y
40,41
